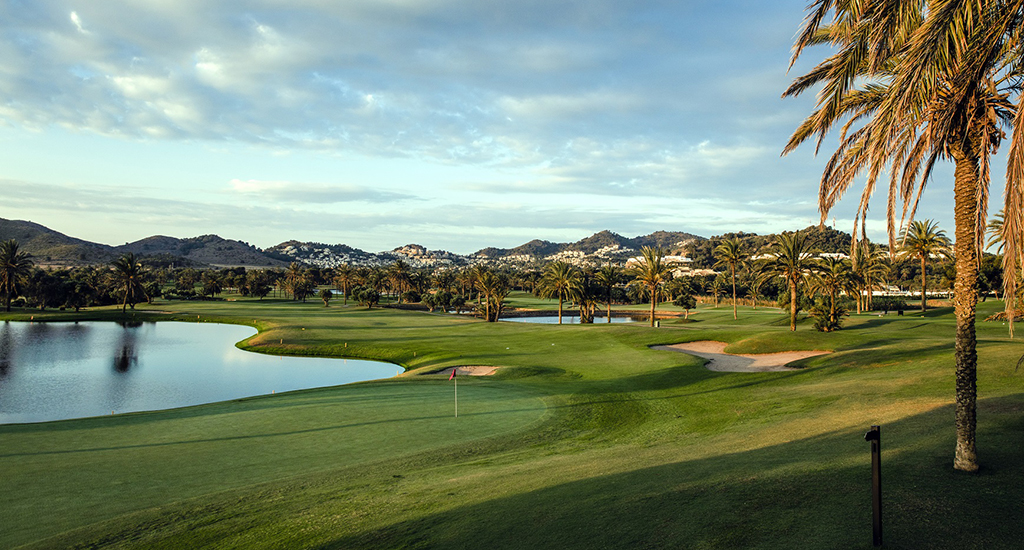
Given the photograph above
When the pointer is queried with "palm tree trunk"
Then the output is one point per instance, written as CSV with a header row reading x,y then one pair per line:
x,y
609,304
559,309
733,293
924,282
965,302
792,306
654,303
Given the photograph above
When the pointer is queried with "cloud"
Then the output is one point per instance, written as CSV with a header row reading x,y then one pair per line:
x,y
299,193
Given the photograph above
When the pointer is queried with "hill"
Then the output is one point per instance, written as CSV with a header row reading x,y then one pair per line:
x,y
50,247
604,243
207,249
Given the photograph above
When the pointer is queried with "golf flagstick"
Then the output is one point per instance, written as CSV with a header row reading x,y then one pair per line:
x,y
454,370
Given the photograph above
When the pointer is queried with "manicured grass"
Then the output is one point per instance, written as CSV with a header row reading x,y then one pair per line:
x,y
584,439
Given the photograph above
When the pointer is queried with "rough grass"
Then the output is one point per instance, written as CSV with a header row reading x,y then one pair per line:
x,y
585,439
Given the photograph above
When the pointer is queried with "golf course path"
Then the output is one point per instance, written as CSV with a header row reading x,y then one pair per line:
x,y
720,361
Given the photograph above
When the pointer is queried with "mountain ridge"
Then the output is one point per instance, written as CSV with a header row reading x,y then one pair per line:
x,y
57,249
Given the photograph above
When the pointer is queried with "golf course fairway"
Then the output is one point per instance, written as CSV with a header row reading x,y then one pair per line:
x,y
584,438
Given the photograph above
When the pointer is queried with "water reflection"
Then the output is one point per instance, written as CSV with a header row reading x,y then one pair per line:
x,y
52,371
126,357
6,349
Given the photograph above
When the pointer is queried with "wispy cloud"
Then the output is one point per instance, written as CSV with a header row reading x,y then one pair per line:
x,y
304,193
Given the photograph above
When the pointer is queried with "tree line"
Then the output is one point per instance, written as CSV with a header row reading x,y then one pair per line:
x,y
788,271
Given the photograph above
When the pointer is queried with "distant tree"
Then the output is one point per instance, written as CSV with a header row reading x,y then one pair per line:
x,y
586,295
717,288
302,288
326,296
730,253
792,261
399,277
608,277
211,283
458,303
559,279
651,273
45,289
756,280
14,266
257,283
870,270
153,291
684,295
832,276
922,240
368,297
493,288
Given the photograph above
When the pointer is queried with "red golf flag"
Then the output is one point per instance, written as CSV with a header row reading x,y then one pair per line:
x,y
453,373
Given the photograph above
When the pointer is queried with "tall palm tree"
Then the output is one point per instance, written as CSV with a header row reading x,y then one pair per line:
x,y
399,277
914,82
489,284
922,240
128,274
730,253
14,266
651,273
871,269
344,279
607,277
793,262
559,279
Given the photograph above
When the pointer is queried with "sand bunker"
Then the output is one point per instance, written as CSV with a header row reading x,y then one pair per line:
x,y
478,370
720,361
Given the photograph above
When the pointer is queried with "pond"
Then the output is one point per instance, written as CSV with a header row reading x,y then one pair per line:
x,y
55,371
569,319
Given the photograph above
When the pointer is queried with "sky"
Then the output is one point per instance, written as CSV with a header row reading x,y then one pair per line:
x,y
454,124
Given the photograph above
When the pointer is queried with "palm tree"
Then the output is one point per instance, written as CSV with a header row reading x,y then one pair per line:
x,y
607,277
651,273
14,266
559,279
731,253
871,270
488,283
922,240
832,276
586,297
922,79
399,277
128,274
344,279
792,261
756,278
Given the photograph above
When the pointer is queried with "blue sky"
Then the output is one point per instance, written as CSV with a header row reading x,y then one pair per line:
x,y
449,123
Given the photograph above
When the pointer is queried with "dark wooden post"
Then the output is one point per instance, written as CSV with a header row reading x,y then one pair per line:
x,y
875,437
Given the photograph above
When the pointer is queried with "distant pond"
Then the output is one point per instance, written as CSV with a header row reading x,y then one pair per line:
x,y
55,371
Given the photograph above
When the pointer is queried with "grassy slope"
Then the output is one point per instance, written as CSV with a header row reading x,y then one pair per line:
x,y
594,441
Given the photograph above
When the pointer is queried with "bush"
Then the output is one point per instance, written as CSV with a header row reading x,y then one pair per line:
x,y
888,303
411,296
825,320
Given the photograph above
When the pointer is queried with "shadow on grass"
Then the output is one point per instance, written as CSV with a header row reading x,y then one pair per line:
x,y
810,493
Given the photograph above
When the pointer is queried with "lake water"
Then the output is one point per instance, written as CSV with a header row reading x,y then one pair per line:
x,y
55,371
567,319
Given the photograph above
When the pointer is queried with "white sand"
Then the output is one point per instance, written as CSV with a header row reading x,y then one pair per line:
x,y
478,370
720,361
